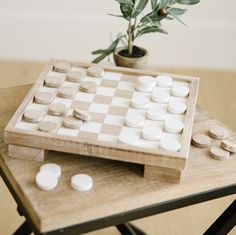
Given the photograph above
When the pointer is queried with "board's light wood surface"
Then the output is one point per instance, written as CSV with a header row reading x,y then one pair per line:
x,y
118,187
96,148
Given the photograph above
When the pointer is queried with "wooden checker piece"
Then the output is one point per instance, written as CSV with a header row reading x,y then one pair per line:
x,y
218,153
82,114
95,71
88,87
218,132
33,116
43,98
228,145
57,109
47,126
201,140
66,92
61,66
75,76
72,122
53,81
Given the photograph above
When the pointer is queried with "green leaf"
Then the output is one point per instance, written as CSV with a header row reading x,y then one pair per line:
x,y
99,58
177,11
126,10
139,8
154,4
176,17
116,15
113,46
169,18
153,16
106,52
188,2
125,2
171,2
163,3
150,29
97,52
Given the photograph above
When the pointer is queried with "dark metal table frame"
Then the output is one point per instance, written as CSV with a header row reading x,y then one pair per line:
x,y
225,222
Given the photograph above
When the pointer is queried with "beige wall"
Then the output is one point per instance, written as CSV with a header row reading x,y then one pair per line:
x,y
43,29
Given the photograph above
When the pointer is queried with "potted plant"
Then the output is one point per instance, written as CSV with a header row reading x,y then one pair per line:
x,y
139,24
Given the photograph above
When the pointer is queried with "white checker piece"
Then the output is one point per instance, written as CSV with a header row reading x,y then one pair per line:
x,y
151,133
107,91
170,144
114,120
112,76
147,81
99,108
164,81
173,126
156,114
93,127
140,102
133,120
180,89
86,97
53,168
129,136
82,182
46,180
160,96
177,108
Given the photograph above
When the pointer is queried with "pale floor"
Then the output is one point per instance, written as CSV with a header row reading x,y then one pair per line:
x,y
216,94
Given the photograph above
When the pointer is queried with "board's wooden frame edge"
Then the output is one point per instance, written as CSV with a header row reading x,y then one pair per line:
x,y
11,133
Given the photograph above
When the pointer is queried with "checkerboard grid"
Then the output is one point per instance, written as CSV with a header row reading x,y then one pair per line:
x,y
126,85
126,88
107,91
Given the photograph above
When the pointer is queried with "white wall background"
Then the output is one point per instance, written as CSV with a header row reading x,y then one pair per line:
x,y
40,30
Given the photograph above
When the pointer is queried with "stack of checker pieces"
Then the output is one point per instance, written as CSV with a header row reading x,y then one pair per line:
x,y
87,109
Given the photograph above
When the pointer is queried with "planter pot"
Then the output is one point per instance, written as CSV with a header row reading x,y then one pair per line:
x,y
128,62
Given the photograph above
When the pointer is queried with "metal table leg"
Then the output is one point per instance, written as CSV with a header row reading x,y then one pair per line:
x,y
225,222
129,229
24,229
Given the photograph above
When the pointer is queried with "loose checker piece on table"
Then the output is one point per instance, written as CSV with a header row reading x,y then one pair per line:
x,y
112,108
220,150
49,175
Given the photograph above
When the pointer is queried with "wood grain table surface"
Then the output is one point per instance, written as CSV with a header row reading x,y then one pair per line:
x,y
118,187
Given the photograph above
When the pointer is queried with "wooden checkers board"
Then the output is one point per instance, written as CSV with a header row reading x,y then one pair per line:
x,y
108,106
